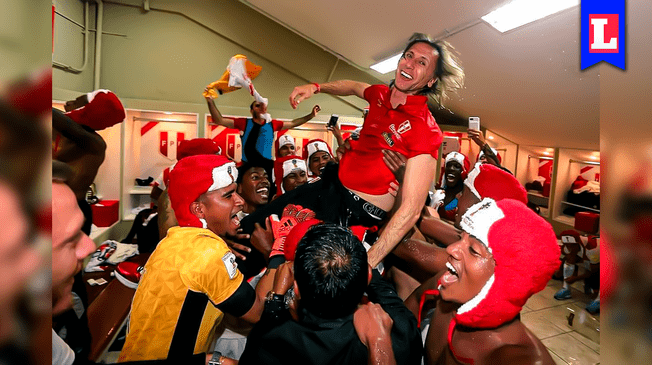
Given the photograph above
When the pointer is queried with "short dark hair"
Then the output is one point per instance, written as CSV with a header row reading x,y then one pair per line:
x,y
251,106
242,169
330,269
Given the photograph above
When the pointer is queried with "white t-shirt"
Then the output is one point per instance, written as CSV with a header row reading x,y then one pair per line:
x,y
62,354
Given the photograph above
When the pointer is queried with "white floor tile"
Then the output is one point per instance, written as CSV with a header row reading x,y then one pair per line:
x,y
571,350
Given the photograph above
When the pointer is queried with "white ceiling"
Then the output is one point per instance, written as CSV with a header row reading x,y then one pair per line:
x,y
526,84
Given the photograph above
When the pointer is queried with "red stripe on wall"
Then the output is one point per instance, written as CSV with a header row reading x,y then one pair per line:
x,y
144,129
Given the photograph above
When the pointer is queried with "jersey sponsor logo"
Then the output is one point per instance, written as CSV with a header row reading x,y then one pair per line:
x,y
404,127
388,139
229,263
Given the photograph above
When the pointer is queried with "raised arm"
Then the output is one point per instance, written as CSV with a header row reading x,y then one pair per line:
x,y
337,133
419,173
217,116
299,121
339,87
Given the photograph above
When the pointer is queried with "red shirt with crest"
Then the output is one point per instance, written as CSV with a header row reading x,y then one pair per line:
x,y
410,130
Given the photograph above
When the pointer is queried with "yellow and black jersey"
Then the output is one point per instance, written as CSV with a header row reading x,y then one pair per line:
x,y
188,282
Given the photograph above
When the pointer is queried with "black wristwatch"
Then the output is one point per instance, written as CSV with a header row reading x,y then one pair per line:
x,y
216,359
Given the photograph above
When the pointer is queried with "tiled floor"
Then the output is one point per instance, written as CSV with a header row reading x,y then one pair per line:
x,y
547,318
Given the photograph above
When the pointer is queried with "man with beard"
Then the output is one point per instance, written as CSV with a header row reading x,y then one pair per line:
x,y
192,279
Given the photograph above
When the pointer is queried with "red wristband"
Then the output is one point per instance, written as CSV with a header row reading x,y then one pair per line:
x,y
318,87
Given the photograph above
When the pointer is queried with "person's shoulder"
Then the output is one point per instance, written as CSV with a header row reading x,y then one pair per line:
x,y
517,345
375,91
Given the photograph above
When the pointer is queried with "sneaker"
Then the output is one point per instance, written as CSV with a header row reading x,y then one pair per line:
x,y
562,294
593,307
129,273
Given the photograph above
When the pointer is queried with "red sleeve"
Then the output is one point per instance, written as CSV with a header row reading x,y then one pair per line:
x,y
277,125
372,92
240,123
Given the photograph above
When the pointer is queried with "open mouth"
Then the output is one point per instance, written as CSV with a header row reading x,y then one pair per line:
x,y
235,220
450,177
450,276
264,192
406,75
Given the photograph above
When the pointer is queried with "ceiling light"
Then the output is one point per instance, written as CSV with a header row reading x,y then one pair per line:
x,y
491,137
387,65
520,12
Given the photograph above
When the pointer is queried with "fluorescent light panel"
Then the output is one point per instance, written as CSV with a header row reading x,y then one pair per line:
x,y
520,12
387,65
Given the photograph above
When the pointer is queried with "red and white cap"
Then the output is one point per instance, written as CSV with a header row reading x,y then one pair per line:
x,y
285,139
526,254
489,181
316,145
193,176
197,146
461,159
103,110
283,166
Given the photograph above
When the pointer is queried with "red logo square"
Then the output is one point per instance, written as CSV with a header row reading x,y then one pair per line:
x,y
603,33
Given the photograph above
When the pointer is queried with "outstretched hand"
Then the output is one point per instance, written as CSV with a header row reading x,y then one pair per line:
x,y
315,109
301,93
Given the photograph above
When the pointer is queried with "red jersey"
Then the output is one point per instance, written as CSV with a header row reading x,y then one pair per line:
x,y
409,129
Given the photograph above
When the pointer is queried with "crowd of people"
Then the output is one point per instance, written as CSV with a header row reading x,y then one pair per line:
x,y
327,258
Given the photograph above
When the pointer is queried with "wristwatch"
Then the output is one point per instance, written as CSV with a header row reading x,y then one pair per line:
x,y
216,359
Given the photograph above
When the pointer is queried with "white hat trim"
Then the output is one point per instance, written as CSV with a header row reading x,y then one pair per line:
x,y
293,165
223,176
470,179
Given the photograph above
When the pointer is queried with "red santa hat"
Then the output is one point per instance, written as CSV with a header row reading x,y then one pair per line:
x,y
316,145
103,110
196,146
194,176
489,181
283,166
526,254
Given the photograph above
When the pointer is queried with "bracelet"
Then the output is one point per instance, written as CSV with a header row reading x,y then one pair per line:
x,y
318,87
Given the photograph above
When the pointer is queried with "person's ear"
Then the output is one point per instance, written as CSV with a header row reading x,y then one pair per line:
x,y
238,189
197,209
432,82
